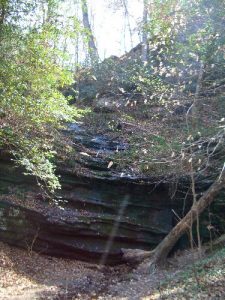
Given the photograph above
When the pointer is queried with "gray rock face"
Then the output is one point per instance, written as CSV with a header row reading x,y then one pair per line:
x,y
94,216
70,233
93,219
96,142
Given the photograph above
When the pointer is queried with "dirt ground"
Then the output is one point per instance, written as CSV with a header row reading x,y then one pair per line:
x,y
29,276
32,276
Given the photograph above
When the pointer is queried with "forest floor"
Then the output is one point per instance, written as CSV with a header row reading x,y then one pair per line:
x,y
25,275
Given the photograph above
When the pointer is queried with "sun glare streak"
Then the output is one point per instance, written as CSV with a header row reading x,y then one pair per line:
x,y
114,230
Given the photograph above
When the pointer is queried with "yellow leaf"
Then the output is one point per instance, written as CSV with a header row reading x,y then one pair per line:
x,y
110,164
84,154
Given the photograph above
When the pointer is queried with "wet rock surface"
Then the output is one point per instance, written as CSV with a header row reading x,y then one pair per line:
x,y
93,157
97,142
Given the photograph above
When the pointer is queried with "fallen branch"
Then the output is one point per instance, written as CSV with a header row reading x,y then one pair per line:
x,y
160,253
136,256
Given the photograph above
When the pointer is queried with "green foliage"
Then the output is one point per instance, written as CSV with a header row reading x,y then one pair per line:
x,y
184,35
32,106
111,76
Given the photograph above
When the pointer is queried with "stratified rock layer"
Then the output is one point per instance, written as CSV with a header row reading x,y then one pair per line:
x,y
97,212
93,219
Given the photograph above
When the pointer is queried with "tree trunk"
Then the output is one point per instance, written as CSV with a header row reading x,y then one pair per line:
x,y
197,104
92,49
3,12
160,253
127,17
144,52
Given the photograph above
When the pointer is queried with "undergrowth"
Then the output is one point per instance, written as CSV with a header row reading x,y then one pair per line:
x,y
204,279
